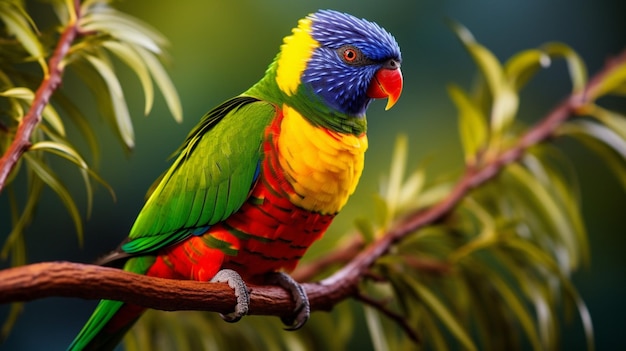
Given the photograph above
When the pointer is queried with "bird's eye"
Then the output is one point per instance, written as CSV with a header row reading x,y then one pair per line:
x,y
352,56
349,55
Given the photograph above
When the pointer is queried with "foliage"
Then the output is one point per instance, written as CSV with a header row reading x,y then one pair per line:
x,y
493,274
104,33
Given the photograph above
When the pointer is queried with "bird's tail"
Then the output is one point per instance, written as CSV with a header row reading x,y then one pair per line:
x,y
111,319
107,325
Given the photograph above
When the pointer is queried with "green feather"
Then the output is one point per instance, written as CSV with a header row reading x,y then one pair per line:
x,y
210,178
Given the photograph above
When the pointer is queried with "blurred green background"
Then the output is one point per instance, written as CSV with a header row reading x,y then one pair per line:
x,y
220,48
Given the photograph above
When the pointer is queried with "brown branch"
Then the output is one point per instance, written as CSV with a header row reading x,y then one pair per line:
x,y
41,280
48,86
66,279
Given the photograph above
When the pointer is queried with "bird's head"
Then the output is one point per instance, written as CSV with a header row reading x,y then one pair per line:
x,y
336,63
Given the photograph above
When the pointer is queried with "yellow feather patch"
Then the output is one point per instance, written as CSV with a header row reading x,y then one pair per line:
x,y
294,55
323,166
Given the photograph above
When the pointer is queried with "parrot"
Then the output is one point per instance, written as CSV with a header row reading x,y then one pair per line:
x,y
262,175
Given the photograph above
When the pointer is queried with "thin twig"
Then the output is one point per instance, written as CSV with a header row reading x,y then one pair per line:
x,y
48,86
397,318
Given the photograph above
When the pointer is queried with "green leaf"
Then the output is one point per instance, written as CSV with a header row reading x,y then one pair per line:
x,y
35,186
164,83
446,317
583,311
122,27
614,120
564,194
48,177
122,116
599,132
19,24
523,65
49,114
375,327
596,140
80,121
504,99
613,82
135,62
19,93
68,153
94,81
542,259
393,185
411,189
486,237
575,65
543,200
472,124
517,307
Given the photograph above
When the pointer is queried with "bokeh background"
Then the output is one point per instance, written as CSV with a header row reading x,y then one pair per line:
x,y
219,48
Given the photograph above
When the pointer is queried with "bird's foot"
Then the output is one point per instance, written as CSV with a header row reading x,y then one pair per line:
x,y
234,280
302,311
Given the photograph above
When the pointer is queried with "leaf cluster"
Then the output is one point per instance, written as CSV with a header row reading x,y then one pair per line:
x,y
105,35
495,273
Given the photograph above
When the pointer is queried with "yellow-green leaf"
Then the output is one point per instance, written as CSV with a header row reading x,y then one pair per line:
x,y
612,82
505,100
523,65
122,27
135,62
544,200
446,317
49,113
35,186
614,120
71,155
19,24
575,65
78,119
472,124
377,334
48,177
487,235
164,83
517,307
122,116
19,93
600,142
394,183
600,132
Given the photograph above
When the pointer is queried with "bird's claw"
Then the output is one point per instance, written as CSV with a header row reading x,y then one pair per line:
x,y
303,310
234,280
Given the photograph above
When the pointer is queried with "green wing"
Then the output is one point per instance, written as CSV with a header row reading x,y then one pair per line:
x,y
210,179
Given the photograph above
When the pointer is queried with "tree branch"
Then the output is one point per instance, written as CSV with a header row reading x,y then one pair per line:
x,y
41,280
48,86
67,279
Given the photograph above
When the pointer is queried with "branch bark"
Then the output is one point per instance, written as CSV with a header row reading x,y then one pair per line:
x,y
65,279
48,86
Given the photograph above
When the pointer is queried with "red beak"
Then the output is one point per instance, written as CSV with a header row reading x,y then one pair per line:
x,y
387,83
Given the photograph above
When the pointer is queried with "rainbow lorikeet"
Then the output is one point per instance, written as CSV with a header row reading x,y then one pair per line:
x,y
262,175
